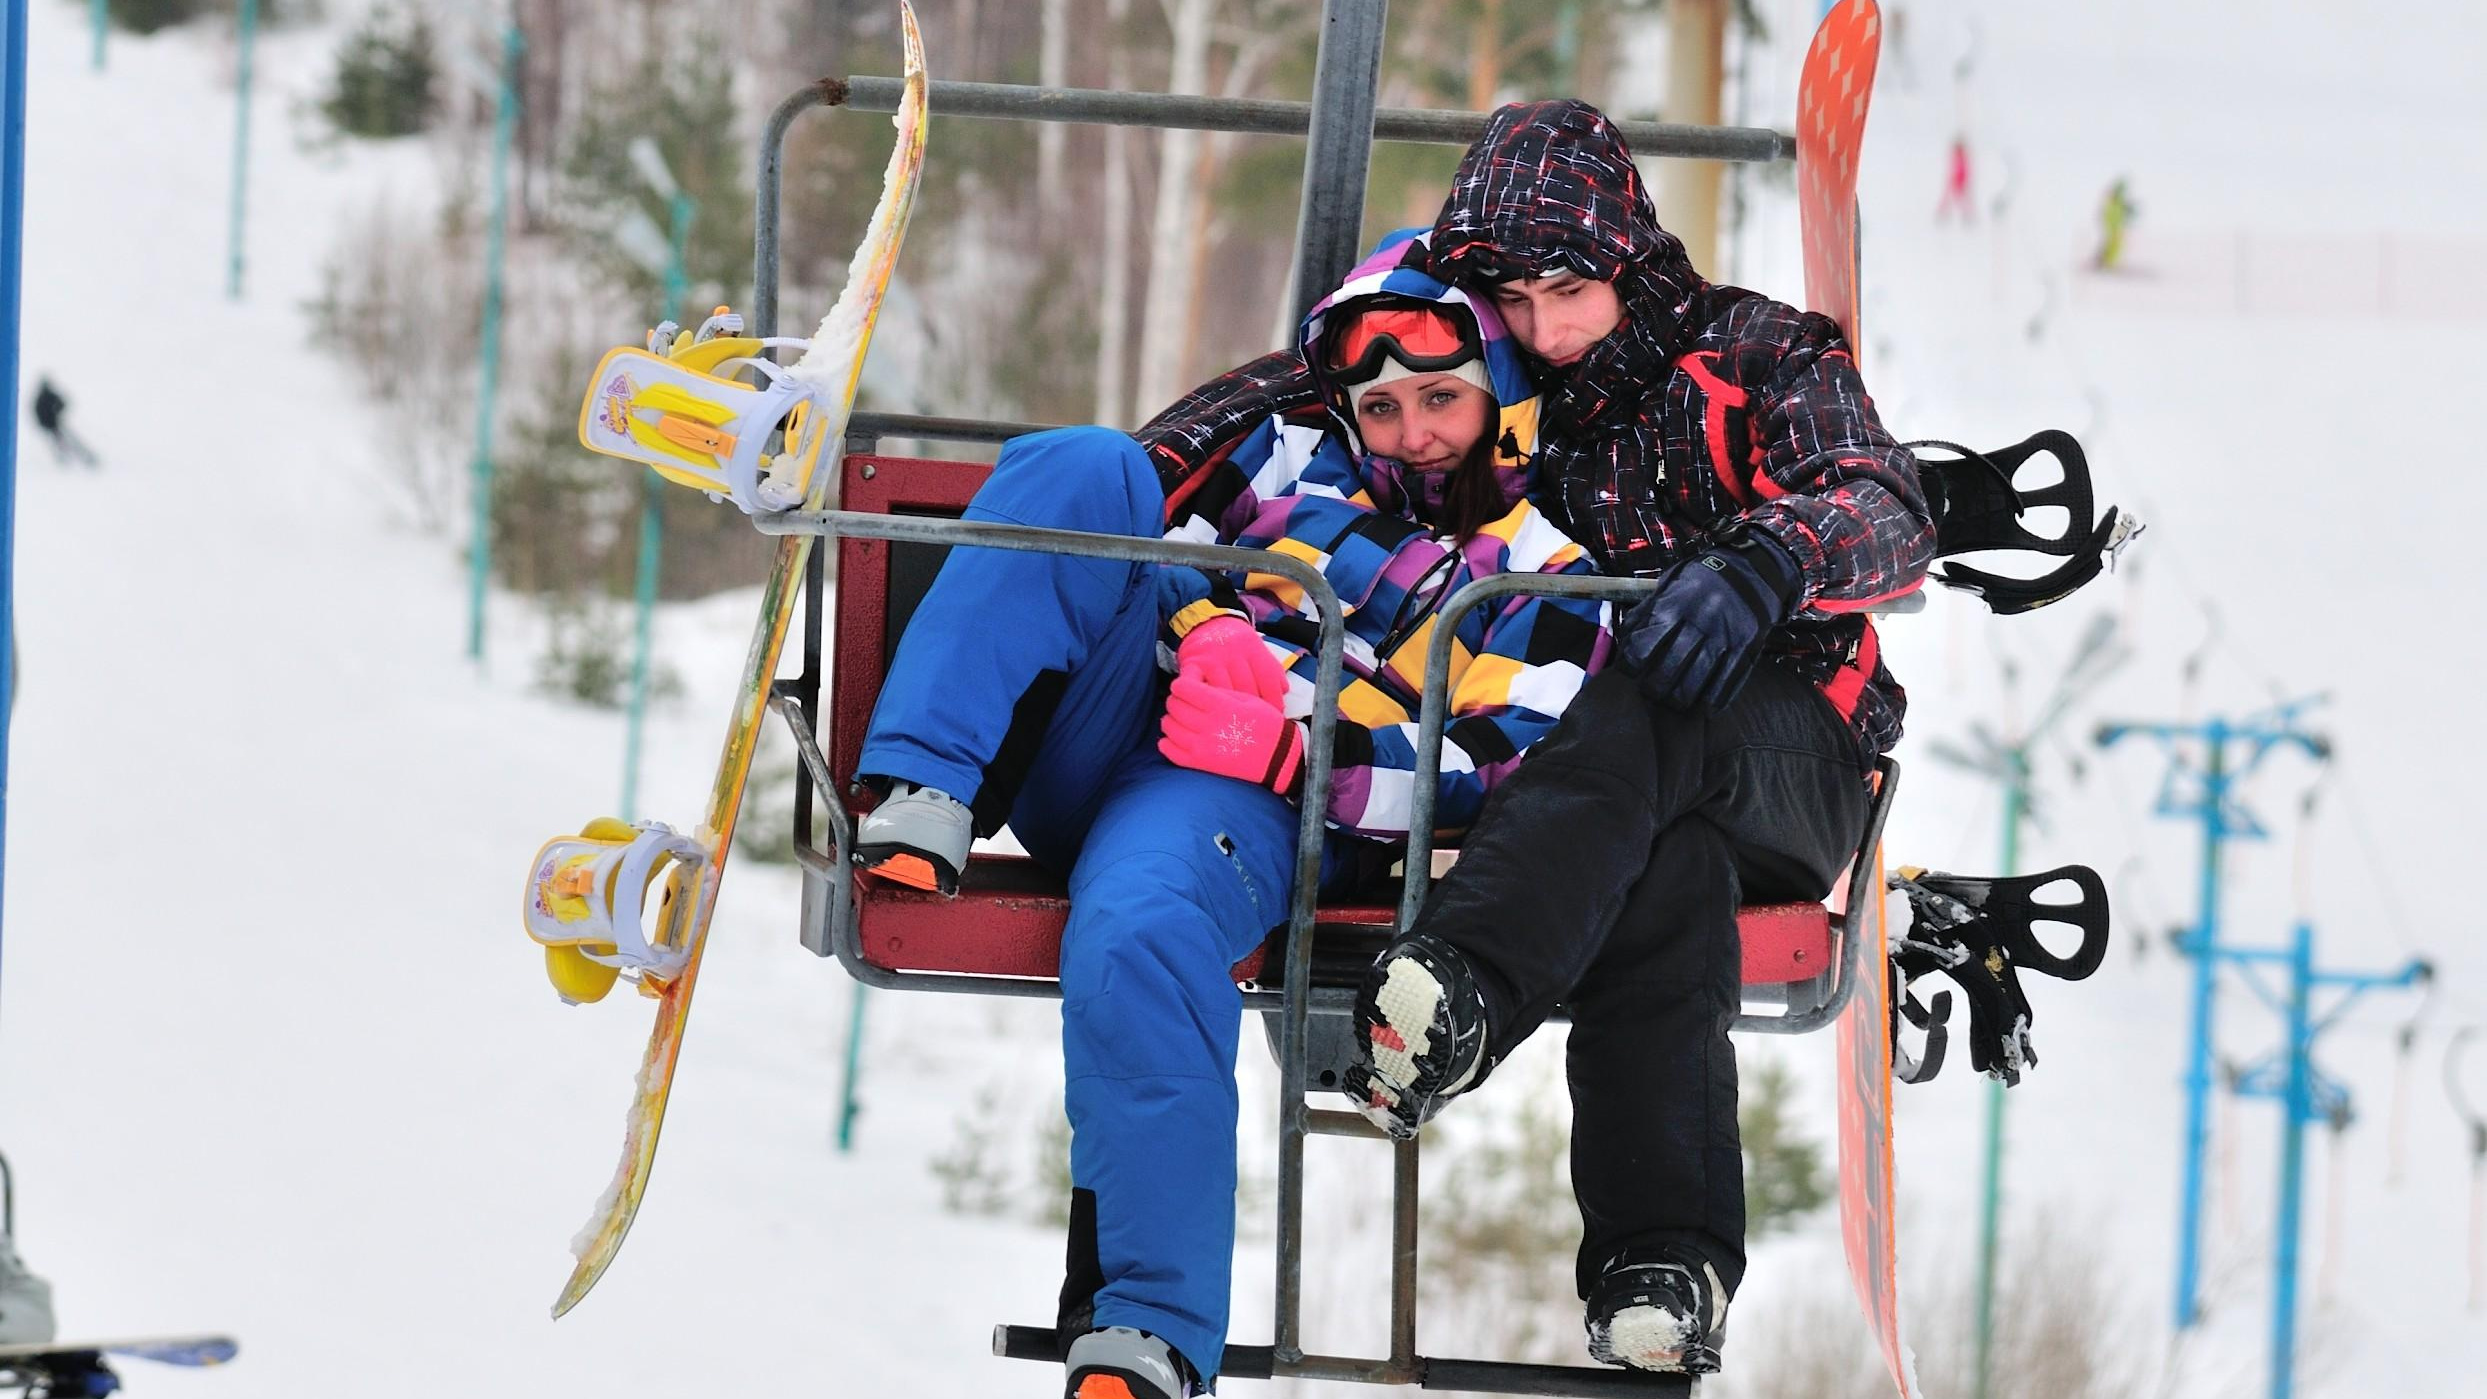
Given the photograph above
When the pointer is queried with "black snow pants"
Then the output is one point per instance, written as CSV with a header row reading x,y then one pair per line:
x,y
1604,875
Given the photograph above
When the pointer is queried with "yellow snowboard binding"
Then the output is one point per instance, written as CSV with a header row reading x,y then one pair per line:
x,y
676,406
584,902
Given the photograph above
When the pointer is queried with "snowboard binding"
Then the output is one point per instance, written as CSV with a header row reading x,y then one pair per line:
x,y
1981,933
68,1374
584,903
677,406
1978,507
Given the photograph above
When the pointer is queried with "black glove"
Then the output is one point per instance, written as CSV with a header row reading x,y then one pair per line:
x,y
1694,640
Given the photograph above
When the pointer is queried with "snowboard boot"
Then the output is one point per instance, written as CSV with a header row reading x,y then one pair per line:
x,y
918,837
1118,1362
1420,1034
1658,1311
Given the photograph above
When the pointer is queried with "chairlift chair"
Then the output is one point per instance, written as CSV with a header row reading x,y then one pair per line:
x,y
1002,934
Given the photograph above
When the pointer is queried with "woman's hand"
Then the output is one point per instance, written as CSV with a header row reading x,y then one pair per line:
x,y
1209,728
1226,652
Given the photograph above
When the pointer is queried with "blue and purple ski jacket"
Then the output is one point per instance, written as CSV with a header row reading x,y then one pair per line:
x,y
1295,485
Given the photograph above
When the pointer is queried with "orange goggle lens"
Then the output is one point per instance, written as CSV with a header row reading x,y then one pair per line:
x,y
1417,338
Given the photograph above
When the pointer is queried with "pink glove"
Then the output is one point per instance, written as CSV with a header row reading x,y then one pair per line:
x,y
1212,729
1228,653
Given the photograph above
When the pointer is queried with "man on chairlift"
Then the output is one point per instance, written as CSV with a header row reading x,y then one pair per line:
x,y
1721,443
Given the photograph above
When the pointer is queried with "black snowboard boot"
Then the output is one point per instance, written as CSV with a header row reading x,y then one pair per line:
x,y
1420,1034
1662,1310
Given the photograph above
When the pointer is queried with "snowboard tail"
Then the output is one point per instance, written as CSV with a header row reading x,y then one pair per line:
x,y
190,1351
77,1369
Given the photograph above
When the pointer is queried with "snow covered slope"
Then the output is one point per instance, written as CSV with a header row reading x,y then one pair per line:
x,y
275,1056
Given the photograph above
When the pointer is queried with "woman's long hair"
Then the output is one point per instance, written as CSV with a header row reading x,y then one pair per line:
x,y
1474,498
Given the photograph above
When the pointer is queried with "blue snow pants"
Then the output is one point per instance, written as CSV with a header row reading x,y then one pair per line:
x,y
1175,875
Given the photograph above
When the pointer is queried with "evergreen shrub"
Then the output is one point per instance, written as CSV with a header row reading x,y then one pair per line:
x,y
387,79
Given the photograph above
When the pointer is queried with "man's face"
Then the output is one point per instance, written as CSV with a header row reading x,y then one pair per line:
x,y
1560,315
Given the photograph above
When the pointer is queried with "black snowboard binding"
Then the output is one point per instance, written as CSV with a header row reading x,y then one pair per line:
x,y
80,1374
1978,509
1980,933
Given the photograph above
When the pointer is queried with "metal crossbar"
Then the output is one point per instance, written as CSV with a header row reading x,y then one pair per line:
x,y
1262,117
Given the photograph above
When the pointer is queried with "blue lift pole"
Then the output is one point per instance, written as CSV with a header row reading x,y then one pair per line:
x,y
241,147
12,263
652,525
2290,1076
2230,753
479,546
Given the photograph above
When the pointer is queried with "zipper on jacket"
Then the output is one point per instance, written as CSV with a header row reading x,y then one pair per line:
x,y
1403,626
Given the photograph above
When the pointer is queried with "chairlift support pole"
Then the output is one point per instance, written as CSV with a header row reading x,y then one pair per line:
x,y
2306,1095
2231,751
12,267
247,36
681,209
1341,123
1329,225
479,542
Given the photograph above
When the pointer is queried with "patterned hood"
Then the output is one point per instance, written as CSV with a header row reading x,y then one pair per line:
x,y
1395,270
1550,187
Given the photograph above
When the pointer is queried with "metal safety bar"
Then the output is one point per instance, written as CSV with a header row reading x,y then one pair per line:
x,y
1433,714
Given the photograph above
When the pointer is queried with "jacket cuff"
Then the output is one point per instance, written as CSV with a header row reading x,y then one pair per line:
x,y
1192,614
1787,556
1286,775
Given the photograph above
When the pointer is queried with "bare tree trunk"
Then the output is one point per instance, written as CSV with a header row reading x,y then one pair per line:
x,y
542,80
963,28
1170,285
1687,195
1114,290
1196,273
1053,67
1485,56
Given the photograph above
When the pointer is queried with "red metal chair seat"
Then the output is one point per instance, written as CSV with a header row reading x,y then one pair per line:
x,y
1009,915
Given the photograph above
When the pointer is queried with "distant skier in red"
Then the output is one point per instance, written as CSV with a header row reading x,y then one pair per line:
x,y
1956,186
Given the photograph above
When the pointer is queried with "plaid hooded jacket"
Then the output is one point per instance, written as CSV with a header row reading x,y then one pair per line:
x,y
1710,405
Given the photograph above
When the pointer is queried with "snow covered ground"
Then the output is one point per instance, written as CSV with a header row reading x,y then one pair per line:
x,y
275,1058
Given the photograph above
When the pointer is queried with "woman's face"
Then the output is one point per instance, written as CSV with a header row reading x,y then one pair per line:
x,y
1427,422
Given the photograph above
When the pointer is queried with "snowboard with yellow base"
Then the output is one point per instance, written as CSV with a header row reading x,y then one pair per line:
x,y
687,416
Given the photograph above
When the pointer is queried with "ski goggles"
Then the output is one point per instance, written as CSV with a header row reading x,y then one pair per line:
x,y
1421,338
